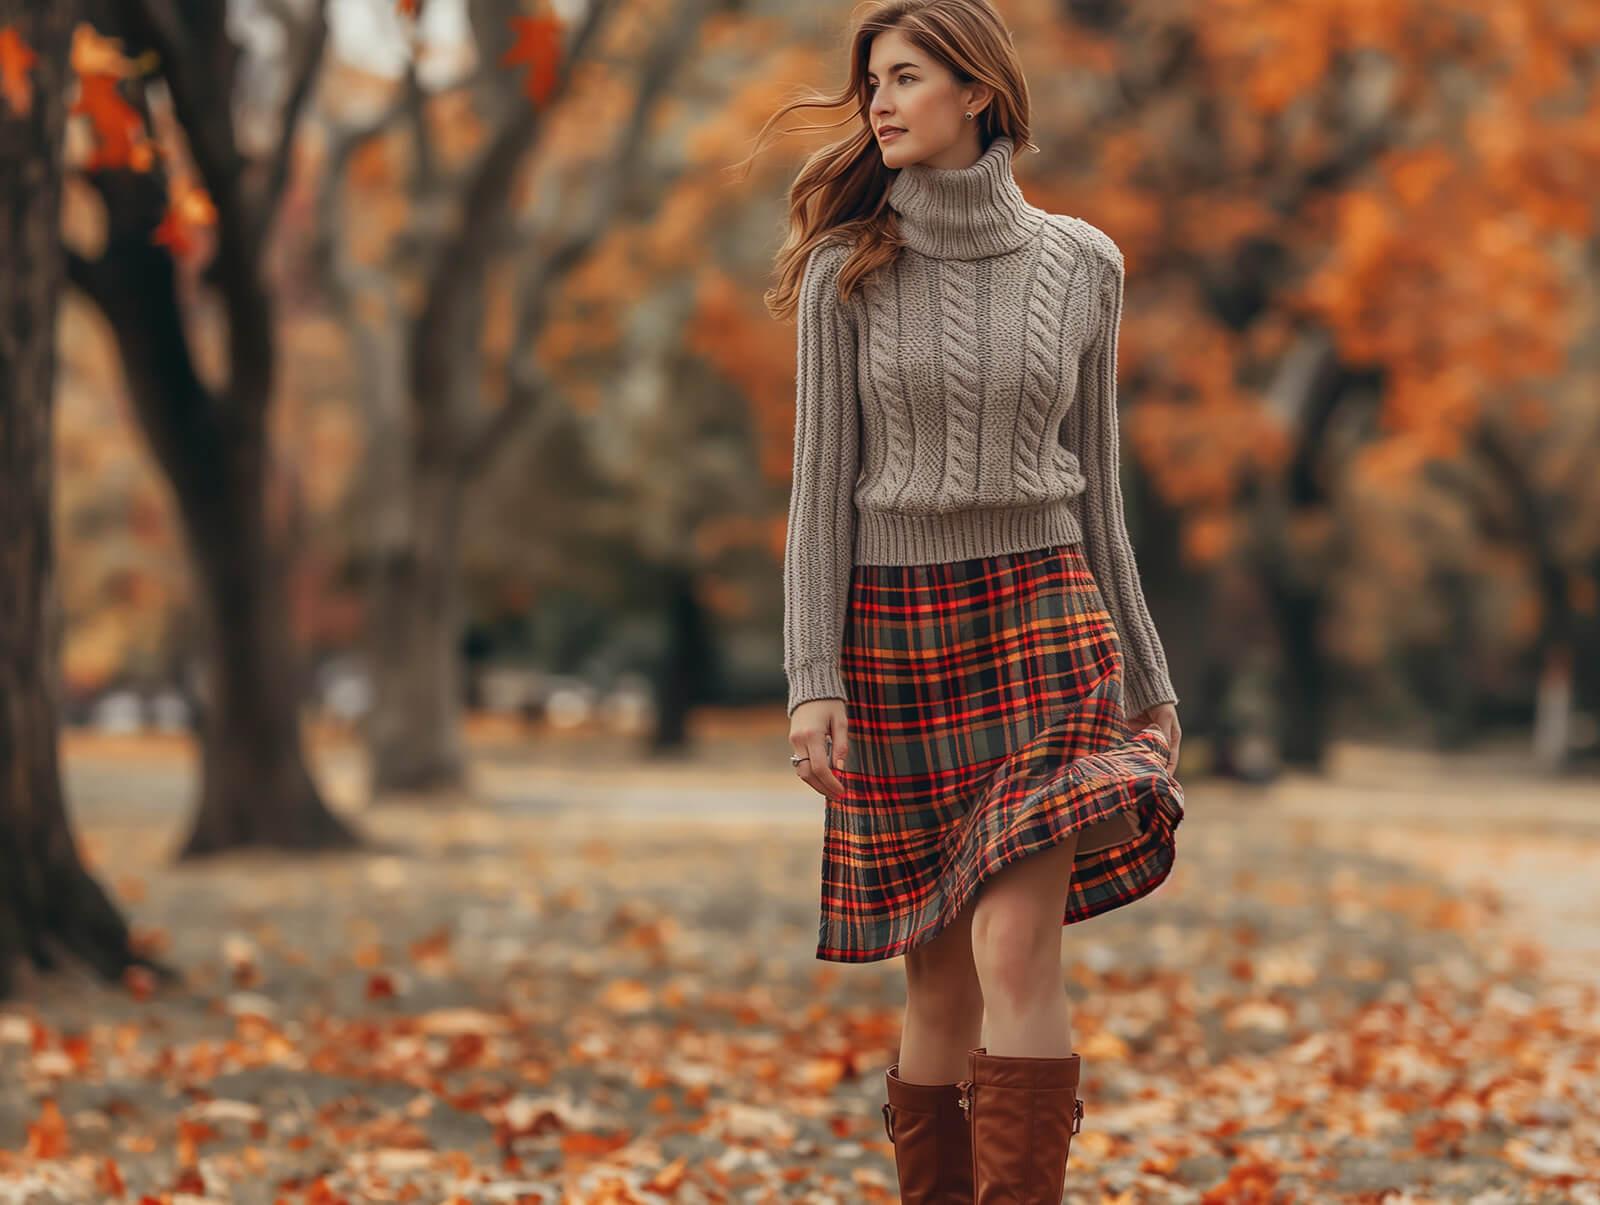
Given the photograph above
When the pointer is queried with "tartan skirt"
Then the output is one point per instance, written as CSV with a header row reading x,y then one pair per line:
x,y
984,722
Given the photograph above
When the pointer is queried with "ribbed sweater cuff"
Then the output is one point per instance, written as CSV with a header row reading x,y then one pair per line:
x,y
895,538
1142,689
814,680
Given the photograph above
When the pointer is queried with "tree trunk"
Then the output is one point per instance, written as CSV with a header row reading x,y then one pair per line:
x,y
1553,693
406,507
255,788
1305,694
48,902
212,448
686,675
414,728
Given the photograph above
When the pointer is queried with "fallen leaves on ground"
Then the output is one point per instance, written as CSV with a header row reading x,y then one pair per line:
x,y
543,1004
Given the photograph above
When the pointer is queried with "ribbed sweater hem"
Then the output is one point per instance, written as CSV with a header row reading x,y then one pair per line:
x,y
899,538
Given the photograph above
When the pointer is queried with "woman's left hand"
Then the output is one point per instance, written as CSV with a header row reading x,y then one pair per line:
x,y
1165,717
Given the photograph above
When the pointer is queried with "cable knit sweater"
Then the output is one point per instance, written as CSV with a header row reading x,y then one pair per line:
x,y
962,404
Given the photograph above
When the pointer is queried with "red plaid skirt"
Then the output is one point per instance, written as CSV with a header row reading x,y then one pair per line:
x,y
985,722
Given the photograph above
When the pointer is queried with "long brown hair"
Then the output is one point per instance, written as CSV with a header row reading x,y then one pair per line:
x,y
841,192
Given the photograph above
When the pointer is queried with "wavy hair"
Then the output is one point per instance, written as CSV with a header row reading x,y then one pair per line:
x,y
841,192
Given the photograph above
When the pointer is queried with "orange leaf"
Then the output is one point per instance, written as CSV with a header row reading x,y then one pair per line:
x,y
47,1137
118,128
108,1178
189,210
16,60
584,1144
94,54
539,49
409,8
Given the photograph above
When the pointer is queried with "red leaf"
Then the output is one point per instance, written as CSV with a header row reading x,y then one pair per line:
x,y
189,211
16,60
47,1137
173,235
108,1178
118,128
190,1181
539,49
380,986
141,984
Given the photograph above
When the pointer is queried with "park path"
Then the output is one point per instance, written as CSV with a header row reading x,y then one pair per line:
x,y
1481,821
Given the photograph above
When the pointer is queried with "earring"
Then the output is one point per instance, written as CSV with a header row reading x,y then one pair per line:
x,y
969,115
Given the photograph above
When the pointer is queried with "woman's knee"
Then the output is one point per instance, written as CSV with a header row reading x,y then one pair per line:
x,y
941,981
1013,949
1016,926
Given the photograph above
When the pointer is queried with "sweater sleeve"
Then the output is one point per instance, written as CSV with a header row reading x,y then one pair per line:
x,y
1091,431
818,547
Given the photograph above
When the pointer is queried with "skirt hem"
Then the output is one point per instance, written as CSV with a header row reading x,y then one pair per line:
x,y
1160,812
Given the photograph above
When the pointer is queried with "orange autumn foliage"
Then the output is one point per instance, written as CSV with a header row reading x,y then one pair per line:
x,y
118,128
17,59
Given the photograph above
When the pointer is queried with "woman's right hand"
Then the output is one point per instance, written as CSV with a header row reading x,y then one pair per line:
x,y
816,729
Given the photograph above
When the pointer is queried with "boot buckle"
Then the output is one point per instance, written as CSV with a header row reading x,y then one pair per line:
x,y
1077,1116
964,1097
888,1124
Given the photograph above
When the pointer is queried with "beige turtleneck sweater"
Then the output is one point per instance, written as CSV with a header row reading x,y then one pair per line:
x,y
962,404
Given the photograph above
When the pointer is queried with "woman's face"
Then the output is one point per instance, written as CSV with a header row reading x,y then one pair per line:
x,y
913,93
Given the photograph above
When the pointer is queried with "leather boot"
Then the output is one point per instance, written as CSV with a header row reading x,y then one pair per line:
x,y
932,1141
1023,1113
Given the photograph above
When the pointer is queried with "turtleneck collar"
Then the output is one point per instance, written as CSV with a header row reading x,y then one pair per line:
x,y
964,212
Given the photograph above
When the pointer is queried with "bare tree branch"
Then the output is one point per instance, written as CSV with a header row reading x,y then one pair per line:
x,y
339,277
463,260
528,384
313,39
414,103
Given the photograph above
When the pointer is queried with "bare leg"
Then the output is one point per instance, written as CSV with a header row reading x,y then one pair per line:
x,y
944,1006
1016,948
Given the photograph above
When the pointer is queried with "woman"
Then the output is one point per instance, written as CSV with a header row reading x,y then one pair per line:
x,y
975,683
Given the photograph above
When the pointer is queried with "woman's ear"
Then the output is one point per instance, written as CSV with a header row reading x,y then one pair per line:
x,y
978,98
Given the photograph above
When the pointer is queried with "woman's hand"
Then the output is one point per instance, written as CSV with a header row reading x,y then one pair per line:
x,y
817,729
1163,716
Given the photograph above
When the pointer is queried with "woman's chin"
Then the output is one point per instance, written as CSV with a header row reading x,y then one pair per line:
x,y
894,155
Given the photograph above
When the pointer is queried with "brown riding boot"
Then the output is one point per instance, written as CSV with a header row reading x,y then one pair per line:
x,y
932,1141
1023,1113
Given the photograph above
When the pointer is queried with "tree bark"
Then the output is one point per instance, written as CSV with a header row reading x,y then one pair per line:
x,y
49,903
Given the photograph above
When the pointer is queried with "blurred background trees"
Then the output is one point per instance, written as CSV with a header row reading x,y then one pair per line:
x,y
203,404
441,323
449,377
